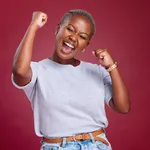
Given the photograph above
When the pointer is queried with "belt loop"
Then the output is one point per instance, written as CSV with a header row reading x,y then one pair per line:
x,y
77,142
64,142
92,138
104,131
41,141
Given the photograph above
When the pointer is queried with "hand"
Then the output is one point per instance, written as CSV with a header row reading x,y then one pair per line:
x,y
103,57
39,19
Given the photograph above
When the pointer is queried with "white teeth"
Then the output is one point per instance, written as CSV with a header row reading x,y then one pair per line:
x,y
71,46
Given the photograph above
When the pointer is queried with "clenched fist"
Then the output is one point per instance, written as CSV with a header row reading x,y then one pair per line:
x,y
39,19
104,58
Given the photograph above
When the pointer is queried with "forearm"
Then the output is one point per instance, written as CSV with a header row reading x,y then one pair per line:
x,y
121,100
23,55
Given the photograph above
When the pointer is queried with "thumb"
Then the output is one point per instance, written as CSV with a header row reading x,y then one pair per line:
x,y
93,52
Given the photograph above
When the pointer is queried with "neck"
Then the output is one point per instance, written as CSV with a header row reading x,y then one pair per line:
x,y
71,61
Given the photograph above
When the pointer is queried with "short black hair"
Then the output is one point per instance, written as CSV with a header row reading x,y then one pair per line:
x,y
82,13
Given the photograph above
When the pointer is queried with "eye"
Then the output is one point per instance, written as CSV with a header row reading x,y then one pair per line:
x,y
82,37
70,29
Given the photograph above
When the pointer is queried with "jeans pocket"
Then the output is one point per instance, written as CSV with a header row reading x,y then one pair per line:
x,y
49,147
101,145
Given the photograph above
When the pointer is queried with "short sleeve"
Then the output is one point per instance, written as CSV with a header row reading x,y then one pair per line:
x,y
28,89
107,85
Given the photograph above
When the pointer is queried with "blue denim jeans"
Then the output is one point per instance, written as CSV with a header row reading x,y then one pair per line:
x,y
78,145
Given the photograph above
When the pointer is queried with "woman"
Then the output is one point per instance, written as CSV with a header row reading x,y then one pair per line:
x,y
68,95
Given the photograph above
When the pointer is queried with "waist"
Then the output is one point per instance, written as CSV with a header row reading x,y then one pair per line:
x,y
64,130
77,137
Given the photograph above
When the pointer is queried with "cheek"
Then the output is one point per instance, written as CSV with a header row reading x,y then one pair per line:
x,y
59,34
83,43
62,32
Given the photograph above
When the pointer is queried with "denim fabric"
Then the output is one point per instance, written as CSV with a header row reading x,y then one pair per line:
x,y
78,145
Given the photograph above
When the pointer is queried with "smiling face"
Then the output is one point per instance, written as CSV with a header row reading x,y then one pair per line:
x,y
72,36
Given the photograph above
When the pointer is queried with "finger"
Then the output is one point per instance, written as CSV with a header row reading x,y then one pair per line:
x,y
101,56
97,52
44,16
100,51
44,20
93,52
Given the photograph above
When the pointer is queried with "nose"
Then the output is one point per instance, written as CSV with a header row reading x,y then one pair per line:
x,y
73,37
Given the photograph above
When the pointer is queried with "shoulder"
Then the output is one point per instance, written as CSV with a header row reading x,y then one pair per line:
x,y
92,66
44,63
95,68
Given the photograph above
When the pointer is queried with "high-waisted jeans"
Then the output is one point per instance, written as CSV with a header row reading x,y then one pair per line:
x,y
78,145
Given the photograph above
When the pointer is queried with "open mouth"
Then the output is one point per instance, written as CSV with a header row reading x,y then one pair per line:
x,y
67,47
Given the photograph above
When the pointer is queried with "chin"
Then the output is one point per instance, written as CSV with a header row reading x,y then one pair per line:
x,y
64,56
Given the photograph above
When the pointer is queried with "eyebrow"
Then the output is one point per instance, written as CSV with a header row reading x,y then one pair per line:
x,y
80,32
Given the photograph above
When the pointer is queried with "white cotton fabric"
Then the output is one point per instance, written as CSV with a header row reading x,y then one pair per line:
x,y
68,100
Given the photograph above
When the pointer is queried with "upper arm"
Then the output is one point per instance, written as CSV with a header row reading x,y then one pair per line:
x,y
111,104
27,79
22,79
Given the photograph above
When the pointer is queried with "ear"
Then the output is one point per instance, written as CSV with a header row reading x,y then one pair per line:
x,y
83,50
85,47
57,29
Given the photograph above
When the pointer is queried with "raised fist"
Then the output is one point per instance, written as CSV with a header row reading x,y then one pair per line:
x,y
39,19
104,58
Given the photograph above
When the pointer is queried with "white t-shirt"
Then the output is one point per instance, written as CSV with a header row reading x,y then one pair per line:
x,y
68,100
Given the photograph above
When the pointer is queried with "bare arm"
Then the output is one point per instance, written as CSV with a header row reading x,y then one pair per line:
x,y
22,58
120,101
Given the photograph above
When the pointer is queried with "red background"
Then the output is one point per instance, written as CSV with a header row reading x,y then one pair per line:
x,y
122,26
